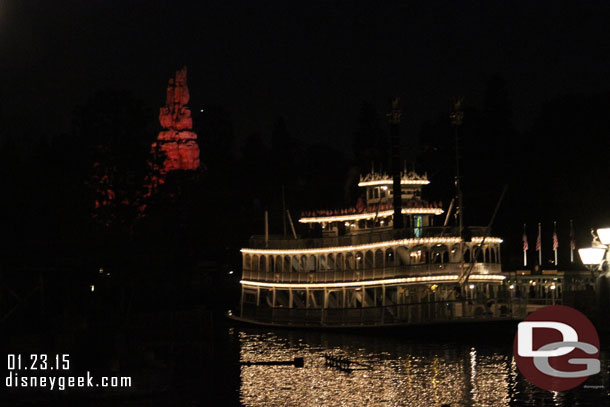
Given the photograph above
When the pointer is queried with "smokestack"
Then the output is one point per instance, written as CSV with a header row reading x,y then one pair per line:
x,y
394,120
266,229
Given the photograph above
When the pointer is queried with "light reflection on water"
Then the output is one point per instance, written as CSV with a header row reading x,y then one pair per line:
x,y
391,371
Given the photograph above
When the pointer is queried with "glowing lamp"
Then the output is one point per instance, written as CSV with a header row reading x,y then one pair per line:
x,y
591,256
604,235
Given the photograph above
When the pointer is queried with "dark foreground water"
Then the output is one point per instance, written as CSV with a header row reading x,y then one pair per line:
x,y
455,365
393,370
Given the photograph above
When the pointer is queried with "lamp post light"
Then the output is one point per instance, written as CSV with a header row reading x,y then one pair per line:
x,y
592,257
596,258
604,236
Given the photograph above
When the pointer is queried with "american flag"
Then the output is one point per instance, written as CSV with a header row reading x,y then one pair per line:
x,y
525,245
572,240
555,241
538,243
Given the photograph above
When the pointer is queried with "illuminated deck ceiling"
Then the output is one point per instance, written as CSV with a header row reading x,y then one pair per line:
x,y
371,215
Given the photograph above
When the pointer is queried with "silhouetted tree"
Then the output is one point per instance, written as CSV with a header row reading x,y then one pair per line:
x,y
370,141
215,130
114,133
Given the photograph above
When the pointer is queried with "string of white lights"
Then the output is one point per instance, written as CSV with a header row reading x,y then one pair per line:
x,y
404,280
390,243
371,215
390,182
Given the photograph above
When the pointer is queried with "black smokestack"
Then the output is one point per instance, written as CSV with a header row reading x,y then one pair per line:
x,y
394,119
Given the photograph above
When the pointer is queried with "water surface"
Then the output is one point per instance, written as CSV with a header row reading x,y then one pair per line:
x,y
393,370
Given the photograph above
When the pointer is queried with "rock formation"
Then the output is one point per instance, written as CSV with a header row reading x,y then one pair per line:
x,y
177,140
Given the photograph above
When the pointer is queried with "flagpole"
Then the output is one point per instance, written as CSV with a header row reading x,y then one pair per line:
x,y
524,246
540,244
571,241
555,241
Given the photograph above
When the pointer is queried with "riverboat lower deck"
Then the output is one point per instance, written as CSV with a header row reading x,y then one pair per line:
x,y
391,278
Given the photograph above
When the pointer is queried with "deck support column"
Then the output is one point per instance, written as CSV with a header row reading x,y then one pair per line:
x,y
324,306
362,305
241,308
383,303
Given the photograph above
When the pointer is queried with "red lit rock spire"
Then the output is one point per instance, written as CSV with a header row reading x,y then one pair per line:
x,y
176,139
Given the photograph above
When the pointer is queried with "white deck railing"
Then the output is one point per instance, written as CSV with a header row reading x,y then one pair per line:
x,y
335,276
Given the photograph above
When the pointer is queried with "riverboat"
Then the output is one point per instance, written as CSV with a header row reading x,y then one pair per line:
x,y
354,268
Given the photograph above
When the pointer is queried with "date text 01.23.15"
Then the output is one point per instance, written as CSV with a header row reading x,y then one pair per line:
x,y
38,361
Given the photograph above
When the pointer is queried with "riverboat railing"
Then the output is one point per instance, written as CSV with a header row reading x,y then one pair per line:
x,y
283,243
334,276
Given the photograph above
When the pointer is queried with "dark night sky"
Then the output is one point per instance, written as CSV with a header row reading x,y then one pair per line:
x,y
313,62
